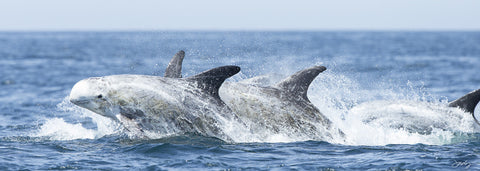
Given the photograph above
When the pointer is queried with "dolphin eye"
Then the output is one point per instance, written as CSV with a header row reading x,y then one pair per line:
x,y
100,96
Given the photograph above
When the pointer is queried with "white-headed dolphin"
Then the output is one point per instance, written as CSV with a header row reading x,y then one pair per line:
x,y
160,105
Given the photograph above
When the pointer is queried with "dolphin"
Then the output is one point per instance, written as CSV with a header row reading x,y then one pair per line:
x,y
154,106
420,117
282,109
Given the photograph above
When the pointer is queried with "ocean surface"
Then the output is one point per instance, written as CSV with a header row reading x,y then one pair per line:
x,y
388,92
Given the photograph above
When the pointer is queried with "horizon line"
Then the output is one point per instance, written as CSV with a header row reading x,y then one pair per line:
x,y
240,30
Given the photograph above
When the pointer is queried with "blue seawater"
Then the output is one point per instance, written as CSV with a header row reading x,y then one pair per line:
x,y
41,130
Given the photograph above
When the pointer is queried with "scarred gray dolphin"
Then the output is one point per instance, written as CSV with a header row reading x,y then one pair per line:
x,y
283,109
154,106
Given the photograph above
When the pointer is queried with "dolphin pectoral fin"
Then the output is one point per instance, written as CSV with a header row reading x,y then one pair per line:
x,y
299,82
211,80
174,68
467,102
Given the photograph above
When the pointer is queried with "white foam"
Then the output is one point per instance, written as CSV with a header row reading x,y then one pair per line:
x,y
58,129
348,105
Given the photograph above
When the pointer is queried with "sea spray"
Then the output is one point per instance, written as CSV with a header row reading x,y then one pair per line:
x,y
58,129
389,114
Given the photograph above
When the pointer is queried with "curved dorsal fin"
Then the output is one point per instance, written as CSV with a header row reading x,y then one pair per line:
x,y
211,80
467,102
299,82
174,68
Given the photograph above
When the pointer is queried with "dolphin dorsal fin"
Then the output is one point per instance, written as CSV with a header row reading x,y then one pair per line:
x,y
467,102
211,80
299,82
174,68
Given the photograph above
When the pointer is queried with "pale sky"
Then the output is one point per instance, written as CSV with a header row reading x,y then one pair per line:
x,y
73,15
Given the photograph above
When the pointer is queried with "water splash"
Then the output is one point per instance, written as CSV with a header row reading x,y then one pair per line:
x,y
388,114
406,122
58,129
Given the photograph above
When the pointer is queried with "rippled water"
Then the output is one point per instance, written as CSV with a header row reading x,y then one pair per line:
x,y
368,74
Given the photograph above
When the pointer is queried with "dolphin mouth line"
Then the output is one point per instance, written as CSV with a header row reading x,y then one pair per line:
x,y
79,102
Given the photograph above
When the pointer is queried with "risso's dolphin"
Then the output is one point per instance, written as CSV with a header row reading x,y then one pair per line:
x,y
160,106
420,117
281,111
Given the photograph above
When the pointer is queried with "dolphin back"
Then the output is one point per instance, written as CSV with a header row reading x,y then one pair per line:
x,y
174,68
299,82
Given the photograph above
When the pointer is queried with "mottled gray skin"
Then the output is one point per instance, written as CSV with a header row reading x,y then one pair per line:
x,y
159,105
283,109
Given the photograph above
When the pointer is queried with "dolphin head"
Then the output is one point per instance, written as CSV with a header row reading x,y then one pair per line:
x,y
91,94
